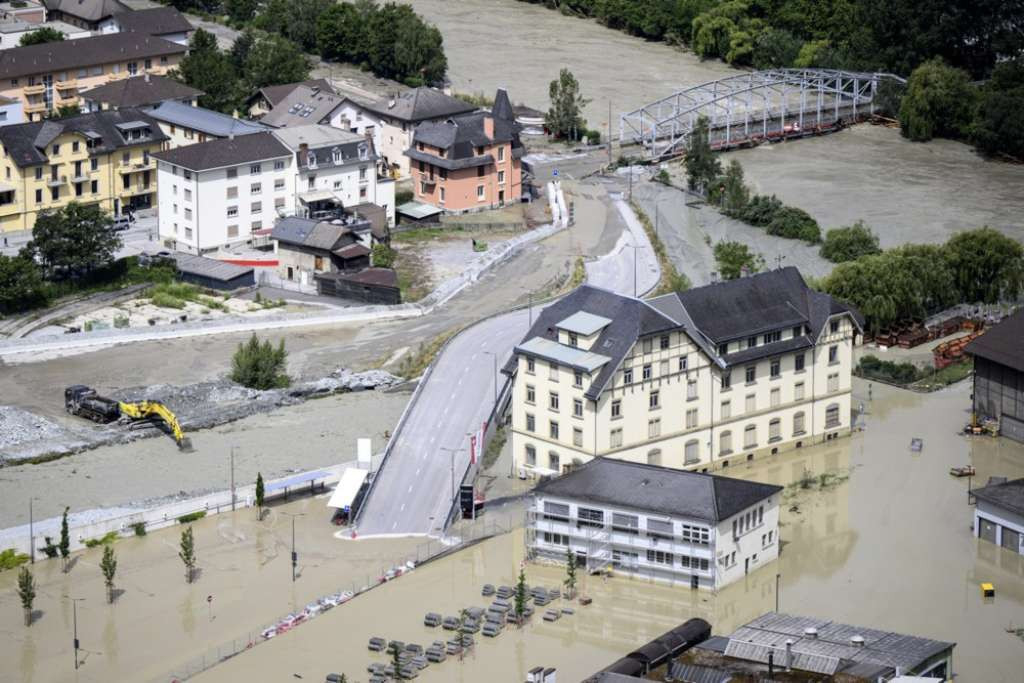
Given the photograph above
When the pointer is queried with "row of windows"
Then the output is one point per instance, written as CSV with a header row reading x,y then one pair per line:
x,y
131,67
553,369
626,559
746,522
773,337
664,370
627,523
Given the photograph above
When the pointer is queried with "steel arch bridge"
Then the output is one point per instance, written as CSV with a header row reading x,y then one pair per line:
x,y
755,106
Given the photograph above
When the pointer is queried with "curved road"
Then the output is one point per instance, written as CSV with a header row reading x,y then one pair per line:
x,y
429,453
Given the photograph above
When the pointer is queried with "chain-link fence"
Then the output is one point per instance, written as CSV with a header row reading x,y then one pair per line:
x,y
469,534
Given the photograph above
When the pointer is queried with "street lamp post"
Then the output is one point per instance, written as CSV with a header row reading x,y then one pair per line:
x,y
74,613
232,478
295,555
31,534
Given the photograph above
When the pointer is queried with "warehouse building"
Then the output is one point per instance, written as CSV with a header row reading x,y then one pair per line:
x,y
999,375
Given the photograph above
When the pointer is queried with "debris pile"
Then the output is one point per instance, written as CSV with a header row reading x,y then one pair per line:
x,y
19,427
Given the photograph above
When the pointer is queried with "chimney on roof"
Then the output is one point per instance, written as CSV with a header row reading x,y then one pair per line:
x,y
811,633
857,641
146,77
789,654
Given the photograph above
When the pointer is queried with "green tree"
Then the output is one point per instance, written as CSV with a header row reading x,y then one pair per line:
x,y
66,111
241,11
817,54
564,119
273,60
570,573
731,191
702,166
939,102
341,33
987,265
774,48
849,243
108,565
187,553
238,55
383,256
26,593
260,366
400,45
735,258
65,541
520,597
45,34
998,126
794,223
21,284
259,494
73,241
295,20
209,69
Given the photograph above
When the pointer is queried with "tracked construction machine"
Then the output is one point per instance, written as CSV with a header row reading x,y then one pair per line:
x,y
84,402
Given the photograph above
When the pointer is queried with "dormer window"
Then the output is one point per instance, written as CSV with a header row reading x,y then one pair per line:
x,y
363,151
336,155
311,159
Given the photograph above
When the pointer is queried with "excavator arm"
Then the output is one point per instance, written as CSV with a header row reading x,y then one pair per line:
x,y
149,409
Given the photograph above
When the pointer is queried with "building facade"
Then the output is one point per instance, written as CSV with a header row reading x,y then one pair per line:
x,y
678,527
220,193
92,15
467,163
999,375
999,514
103,158
334,169
10,111
696,380
306,248
12,30
52,75
185,124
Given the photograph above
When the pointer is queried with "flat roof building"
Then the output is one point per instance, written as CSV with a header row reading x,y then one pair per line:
x,y
679,527
999,514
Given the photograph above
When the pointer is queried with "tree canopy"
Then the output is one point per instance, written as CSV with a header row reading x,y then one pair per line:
x,y
702,165
849,243
46,34
259,365
564,119
999,122
735,259
939,102
21,284
73,240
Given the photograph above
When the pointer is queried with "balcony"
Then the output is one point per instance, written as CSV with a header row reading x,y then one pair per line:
x,y
35,107
80,177
56,181
70,84
34,89
137,167
138,188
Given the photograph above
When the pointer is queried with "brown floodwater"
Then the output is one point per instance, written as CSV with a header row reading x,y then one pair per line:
x,y
886,545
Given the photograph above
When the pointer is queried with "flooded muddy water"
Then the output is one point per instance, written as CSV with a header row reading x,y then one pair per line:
x,y
886,543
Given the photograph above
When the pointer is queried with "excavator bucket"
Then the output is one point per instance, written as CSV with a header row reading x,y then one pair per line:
x,y
185,445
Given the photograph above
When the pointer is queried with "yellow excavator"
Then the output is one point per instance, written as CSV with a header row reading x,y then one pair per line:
x,y
84,402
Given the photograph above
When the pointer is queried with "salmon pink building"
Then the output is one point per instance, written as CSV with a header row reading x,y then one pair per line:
x,y
467,163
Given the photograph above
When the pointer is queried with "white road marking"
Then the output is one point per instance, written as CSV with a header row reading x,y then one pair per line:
x,y
410,489
418,470
402,509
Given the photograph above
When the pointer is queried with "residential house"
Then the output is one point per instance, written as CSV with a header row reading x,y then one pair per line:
x,y
467,163
700,379
12,30
394,118
100,158
51,75
999,375
161,22
999,514
141,91
306,247
186,124
304,105
222,192
94,15
267,98
655,523
29,11
10,111
335,169
809,648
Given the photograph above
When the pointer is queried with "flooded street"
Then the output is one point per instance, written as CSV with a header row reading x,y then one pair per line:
x,y
315,434
890,547
522,47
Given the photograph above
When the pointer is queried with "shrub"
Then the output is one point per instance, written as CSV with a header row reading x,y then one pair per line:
x,y
403,196
191,517
106,539
593,137
260,366
139,528
9,559
849,243
794,223
887,370
383,256
760,210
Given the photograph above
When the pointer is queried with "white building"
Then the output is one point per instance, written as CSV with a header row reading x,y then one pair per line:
x,y
10,111
999,514
698,380
334,167
12,30
220,193
674,526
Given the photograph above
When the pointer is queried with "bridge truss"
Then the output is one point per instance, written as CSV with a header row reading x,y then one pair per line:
x,y
754,106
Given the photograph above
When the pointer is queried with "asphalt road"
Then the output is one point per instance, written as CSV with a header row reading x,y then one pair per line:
x,y
429,454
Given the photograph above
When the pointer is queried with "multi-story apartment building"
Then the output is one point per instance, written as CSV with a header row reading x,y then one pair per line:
x,y
140,91
51,75
103,157
222,192
674,526
186,124
467,163
94,15
697,380
334,169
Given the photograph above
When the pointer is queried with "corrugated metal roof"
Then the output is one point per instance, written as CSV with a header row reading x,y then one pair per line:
x,y
204,120
802,660
562,354
208,267
584,323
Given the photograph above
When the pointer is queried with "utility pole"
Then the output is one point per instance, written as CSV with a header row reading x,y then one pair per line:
x,y
777,577
232,478
31,535
609,132
74,612
295,555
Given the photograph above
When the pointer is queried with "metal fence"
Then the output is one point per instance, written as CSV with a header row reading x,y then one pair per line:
x,y
433,549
